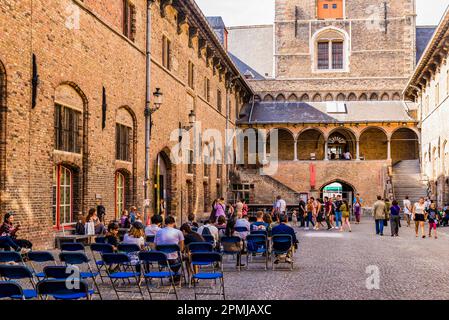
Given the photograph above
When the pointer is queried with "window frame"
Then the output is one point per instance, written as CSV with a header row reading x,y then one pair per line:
x,y
58,170
68,128
123,143
166,53
120,192
129,22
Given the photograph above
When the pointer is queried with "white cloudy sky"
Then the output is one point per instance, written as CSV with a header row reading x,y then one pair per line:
x,y
248,12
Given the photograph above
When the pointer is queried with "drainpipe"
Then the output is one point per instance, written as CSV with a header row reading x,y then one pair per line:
x,y
148,121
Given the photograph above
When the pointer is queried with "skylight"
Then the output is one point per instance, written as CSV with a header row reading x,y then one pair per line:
x,y
336,107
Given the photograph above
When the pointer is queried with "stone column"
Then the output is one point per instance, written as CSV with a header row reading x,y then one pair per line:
x,y
357,156
326,151
389,150
295,148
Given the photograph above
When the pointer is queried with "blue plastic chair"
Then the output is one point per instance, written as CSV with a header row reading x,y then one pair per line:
x,y
20,272
262,232
128,248
100,240
80,259
122,271
281,244
41,259
11,256
170,249
150,239
256,244
196,247
58,289
209,238
241,229
11,290
210,258
232,241
147,259
72,247
100,248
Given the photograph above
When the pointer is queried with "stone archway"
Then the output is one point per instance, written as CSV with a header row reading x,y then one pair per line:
x,y
310,144
373,144
338,187
164,183
340,141
404,145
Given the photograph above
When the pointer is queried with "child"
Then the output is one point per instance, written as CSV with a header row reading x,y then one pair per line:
x,y
124,220
79,227
112,235
295,218
432,216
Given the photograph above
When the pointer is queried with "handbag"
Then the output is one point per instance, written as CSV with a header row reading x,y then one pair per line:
x,y
90,228
385,223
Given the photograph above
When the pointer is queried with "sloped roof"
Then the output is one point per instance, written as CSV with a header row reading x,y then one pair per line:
x,y
423,36
244,68
316,112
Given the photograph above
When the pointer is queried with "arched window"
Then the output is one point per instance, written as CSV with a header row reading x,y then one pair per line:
x,y
120,193
62,195
331,47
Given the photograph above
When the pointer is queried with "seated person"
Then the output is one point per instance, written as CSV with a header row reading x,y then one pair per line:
x,y
260,224
79,227
155,226
92,217
242,222
283,228
112,235
125,221
209,229
191,221
189,235
8,229
221,224
171,235
237,247
136,235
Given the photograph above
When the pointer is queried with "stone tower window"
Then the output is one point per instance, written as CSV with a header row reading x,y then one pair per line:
x,y
129,20
330,48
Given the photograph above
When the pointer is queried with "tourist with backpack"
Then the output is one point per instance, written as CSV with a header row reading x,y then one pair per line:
x,y
208,229
338,214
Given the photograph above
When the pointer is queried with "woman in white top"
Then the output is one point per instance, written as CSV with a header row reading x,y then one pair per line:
x,y
419,211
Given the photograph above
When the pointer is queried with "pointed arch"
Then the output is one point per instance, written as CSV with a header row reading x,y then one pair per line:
x,y
385,97
341,97
268,98
317,98
305,98
293,98
363,97
374,97
396,96
280,98
329,97
352,97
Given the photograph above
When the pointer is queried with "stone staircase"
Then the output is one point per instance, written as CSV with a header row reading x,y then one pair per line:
x,y
407,181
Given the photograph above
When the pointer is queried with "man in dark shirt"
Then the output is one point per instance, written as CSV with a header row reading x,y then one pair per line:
x,y
302,212
283,228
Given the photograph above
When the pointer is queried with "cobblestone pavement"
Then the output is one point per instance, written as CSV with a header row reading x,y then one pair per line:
x,y
332,266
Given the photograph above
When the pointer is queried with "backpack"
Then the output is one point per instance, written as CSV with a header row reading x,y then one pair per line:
x,y
206,231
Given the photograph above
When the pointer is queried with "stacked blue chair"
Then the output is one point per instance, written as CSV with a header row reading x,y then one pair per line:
x,y
58,289
118,267
17,273
97,250
210,258
282,244
148,258
11,257
80,259
257,244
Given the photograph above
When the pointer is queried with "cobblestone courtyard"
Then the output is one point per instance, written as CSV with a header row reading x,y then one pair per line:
x,y
332,266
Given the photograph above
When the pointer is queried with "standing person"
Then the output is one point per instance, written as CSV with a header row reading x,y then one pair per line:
x,y
328,212
419,211
345,216
280,207
309,210
245,208
132,214
317,213
125,221
357,208
163,208
338,213
379,213
220,208
302,212
395,218
432,216
239,207
427,203
101,211
92,217
407,210
230,211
